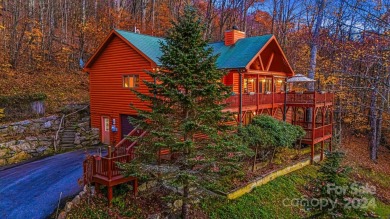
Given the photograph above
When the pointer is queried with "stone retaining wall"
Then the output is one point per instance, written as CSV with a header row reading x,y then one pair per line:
x,y
85,135
26,139
33,138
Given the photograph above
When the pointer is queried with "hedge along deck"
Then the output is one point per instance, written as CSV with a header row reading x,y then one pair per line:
x,y
267,178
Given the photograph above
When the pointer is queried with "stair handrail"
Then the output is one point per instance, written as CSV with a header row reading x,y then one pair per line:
x,y
124,139
77,110
62,122
135,142
58,131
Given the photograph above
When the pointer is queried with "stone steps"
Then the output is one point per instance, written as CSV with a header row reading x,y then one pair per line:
x,y
68,135
67,145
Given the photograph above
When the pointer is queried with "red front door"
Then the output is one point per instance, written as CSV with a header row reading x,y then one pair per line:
x,y
105,130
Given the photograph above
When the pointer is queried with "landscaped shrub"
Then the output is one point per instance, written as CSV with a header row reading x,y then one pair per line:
x,y
266,134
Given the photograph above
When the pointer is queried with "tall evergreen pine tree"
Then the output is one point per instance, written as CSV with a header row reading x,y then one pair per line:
x,y
185,100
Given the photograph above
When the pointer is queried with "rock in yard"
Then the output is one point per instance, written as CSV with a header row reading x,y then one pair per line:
x,y
178,203
142,187
62,215
7,144
81,194
18,157
151,184
21,147
154,216
31,138
76,200
47,124
77,138
93,192
41,149
3,152
68,206
3,162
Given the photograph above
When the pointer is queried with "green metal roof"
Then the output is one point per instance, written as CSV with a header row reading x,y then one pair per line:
x,y
149,45
235,56
239,54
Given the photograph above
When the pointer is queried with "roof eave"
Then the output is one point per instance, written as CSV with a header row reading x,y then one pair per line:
x,y
261,50
91,60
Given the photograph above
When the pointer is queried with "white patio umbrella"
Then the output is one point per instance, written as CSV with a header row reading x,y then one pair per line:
x,y
299,78
294,79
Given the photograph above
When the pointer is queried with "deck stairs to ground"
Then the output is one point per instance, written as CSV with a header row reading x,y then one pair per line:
x,y
103,170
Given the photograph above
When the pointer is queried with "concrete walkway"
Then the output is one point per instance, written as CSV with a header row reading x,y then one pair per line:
x,y
32,190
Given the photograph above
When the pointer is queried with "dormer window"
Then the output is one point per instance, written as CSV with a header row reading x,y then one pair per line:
x,y
130,81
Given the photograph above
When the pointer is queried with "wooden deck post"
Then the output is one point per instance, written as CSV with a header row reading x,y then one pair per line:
x,y
240,99
313,126
273,93
109,168
331,130
323,110
257,93
97,188
135,187
285,101
109,195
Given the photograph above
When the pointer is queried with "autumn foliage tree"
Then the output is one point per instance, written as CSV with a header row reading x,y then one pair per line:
x,y
351,43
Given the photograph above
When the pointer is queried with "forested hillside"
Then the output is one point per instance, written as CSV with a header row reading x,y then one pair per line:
x,y
344,43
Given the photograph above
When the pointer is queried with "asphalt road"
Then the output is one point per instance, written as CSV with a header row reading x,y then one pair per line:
x,y
32,190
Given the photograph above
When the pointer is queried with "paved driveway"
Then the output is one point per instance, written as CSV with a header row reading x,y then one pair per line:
x,y
32,190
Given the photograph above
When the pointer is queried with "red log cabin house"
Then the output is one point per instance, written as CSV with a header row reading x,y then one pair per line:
x,y
257,72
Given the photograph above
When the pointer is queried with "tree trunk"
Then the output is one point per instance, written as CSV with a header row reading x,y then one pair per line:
x,y
373,124
313,52
185,207
254,160
379,125
314,43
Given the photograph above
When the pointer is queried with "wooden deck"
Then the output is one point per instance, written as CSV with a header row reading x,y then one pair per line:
x,y
319,102
104,170
257,101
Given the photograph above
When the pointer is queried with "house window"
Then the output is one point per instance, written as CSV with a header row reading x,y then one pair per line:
x,y
130,81
268,85
249,85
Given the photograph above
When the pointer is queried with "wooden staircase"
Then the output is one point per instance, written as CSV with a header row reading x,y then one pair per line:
x,y
103,170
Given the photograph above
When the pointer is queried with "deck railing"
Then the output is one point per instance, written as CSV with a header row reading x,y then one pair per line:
x,y
319,131
107,167
309,97
278,98
127,144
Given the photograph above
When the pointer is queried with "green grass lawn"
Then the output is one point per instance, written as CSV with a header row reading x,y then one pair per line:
x,y
267,201
263,202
